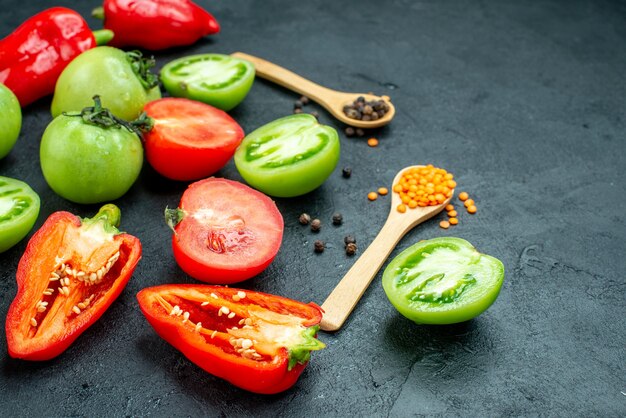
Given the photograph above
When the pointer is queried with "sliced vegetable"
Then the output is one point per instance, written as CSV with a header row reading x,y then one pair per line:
x,y
19,208
10,120
224,231
92,156
219,80
70,273
256,341
190,140
122,79
33,55
156,24
288,157
442,281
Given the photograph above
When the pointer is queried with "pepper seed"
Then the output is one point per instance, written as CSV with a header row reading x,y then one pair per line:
x,y
346,172
304,219
349,239
318,246
316,225
337,219
351,248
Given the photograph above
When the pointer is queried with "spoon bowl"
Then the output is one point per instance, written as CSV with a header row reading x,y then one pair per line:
x,y
331,100
344,297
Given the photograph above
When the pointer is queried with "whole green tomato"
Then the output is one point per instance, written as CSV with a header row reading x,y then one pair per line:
x,y
85,161
122,80
10,120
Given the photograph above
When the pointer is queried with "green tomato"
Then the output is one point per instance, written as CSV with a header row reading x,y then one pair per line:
x,y
288,157
88,163
121,79
10,120
19,208
442,281
219,80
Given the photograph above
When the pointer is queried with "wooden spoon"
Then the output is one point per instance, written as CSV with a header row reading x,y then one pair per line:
x,y
331,100
342,300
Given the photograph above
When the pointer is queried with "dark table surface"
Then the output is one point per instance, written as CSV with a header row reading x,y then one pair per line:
x,y
523,101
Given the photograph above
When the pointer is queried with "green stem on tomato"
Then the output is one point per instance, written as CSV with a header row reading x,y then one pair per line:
x,y
103,36
141,66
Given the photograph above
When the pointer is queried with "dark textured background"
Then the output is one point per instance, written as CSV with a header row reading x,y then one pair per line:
x,y
522,101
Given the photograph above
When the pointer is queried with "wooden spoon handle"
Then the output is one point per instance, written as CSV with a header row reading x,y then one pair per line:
x,y
342,300
286,78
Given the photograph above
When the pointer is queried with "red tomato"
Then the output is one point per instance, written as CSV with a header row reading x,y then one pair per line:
x,y
190,140
225,232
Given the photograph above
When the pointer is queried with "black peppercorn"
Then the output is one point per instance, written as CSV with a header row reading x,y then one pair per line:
x,y
318,246
304,219
304,100
315,114
297,110
349,239
351,248
316,225
346,172
350,131
337,219
297,104
360,132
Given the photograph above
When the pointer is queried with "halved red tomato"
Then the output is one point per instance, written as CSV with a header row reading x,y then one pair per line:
x,y
190,140
224,231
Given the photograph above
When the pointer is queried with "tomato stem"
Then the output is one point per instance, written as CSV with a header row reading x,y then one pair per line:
x,y
103,36
141,66
98,13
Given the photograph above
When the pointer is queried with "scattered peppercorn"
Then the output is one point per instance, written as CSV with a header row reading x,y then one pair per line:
x,y
337,219
362,109
351,249
297,110
383,191
304,219
316,225
318,246
315,114
372,142
346,172
359,132
349,239
350,131
297,104
372,196
304,100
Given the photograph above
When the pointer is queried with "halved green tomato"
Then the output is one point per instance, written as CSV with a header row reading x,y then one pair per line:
x,y
219,80
442,281
288,157
19,208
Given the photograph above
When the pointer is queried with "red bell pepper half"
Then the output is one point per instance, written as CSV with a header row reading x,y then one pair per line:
x,y
156,24
33,56
70,273
256,341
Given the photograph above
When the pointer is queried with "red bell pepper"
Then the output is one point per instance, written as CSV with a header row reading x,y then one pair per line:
x,y
70,273
156,24
256,341
35,54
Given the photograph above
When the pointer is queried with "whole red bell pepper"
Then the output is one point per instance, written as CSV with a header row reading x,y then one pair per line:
x,y
256,341
70,273
156,24
35,54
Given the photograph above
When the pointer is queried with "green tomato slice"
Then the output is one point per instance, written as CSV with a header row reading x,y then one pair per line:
x,y
19,208
219,80
442,281
288,157
10,120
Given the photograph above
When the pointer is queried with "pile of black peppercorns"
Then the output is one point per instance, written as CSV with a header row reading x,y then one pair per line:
x,y
364,110
316,225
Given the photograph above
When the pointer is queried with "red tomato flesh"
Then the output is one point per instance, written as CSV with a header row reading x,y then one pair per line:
x,y
229,231
190,140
